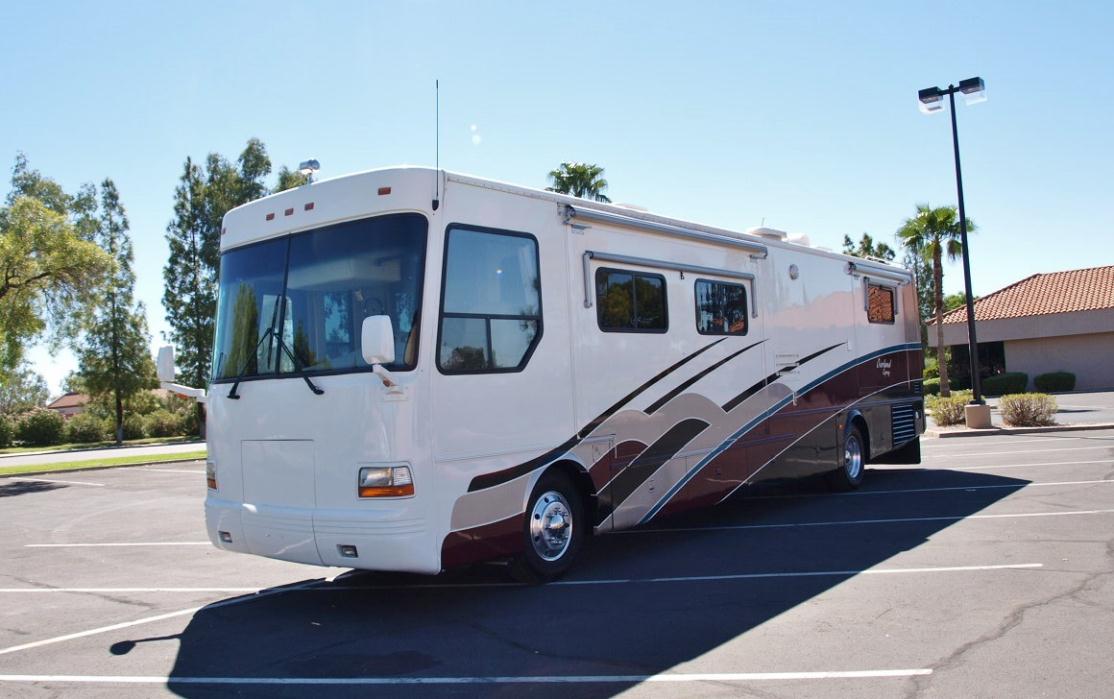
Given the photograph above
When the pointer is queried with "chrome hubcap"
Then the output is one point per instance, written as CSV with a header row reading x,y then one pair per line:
x,y
853,457
551,525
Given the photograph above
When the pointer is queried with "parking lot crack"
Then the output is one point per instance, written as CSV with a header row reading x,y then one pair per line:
x,y
918,685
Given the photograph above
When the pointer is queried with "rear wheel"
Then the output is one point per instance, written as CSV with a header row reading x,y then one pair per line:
x,y
849,475
554,529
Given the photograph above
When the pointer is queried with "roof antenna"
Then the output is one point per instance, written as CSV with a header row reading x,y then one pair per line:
x,y
437,144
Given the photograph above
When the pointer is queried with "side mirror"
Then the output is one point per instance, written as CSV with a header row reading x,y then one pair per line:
x,y
166,364
377,340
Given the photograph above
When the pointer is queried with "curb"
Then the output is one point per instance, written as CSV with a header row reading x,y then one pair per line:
x,y
85,451
948,434
98,468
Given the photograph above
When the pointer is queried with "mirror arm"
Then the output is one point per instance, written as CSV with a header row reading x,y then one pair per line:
x,y
388,379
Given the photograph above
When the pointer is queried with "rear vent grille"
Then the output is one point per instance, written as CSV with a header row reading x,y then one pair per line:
x,y
918,388
902,423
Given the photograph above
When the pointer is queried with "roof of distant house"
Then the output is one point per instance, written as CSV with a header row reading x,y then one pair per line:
x,y
1087,289
69,400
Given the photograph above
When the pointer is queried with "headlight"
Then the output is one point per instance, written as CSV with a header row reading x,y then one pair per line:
x,y
211,475
385,482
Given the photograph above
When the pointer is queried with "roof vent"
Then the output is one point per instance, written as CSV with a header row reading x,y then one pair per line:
x,y
799,239
770,233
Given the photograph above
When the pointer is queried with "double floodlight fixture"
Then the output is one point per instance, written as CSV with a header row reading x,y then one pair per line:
x,y
932,98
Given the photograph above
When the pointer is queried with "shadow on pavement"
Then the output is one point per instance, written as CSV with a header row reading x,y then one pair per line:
x,y
13,488
473,624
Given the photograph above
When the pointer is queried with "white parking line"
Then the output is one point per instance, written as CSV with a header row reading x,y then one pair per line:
x,y
342,587
888,520
317,585
1108,447
943,489
157,617
197,471
117,544
963,444
1045,463
54,480
671,677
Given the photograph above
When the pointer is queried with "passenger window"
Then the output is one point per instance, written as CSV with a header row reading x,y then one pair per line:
x,y
721,308
491,301
629,301
879,303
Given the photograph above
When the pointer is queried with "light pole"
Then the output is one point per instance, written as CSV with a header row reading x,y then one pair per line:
x,y
931,100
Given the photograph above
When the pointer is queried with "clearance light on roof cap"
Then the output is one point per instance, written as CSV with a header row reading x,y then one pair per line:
x,y
385,482
383,191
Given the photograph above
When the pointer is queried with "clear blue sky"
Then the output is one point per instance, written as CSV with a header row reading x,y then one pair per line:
x,y
801,114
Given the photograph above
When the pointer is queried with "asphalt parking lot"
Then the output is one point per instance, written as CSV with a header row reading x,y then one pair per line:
x,y
986,571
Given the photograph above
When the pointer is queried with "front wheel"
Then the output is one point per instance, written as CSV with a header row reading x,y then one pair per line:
x,y
849,476
554,529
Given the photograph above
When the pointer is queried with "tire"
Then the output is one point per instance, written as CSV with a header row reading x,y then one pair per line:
x,y
852,466
553,529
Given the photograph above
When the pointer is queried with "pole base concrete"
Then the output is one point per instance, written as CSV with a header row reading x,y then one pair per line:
x,y
978,416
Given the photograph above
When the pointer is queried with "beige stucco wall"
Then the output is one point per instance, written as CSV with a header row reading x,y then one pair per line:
x,y
1028,327
1090,357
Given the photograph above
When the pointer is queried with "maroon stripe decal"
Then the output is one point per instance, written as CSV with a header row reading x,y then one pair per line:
x,y
490,480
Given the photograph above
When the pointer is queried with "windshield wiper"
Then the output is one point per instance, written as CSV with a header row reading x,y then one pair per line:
x,y
299,366
270,332
244,364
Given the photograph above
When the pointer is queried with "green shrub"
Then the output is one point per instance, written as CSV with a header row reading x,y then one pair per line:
x,y
134,427
932,387
40,427
931,368
948,411
1002,384
84,428
7,431
163,423
1028,409
1055,381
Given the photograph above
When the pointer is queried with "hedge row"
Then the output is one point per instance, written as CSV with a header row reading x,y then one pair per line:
x,y
42,427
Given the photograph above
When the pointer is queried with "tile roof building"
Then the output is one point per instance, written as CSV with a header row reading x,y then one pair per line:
x,y
69,404
1061,321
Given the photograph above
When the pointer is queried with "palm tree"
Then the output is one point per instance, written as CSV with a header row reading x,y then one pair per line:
x,y
933,233
584,180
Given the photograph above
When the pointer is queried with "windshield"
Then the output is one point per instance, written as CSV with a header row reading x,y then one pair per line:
x,y
295,305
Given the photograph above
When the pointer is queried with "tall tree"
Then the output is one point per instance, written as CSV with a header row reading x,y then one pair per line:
x,y
51,269
866,247
289,179
933,233
21,390
115,359
584,180
190,293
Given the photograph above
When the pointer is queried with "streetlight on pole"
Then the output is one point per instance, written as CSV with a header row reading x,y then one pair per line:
x,y
932,100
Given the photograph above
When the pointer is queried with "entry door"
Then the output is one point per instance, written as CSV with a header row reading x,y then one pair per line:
x,y
502,382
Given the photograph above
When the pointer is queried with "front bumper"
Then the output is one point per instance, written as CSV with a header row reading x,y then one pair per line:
x,y
387,537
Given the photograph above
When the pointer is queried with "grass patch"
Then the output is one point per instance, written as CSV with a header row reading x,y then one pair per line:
x,y
100,463
99,445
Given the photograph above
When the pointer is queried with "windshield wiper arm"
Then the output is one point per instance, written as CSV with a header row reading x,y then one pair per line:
x,y
299,366
270,332
244,364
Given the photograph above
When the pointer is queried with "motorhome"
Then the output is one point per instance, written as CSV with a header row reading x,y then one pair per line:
x,y
414,370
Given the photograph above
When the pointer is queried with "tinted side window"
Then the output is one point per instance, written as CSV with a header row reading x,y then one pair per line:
x,y
879,304
490,303
721,308
629,301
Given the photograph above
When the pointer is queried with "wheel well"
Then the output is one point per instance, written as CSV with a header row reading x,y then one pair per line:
x,y
582,482
859,421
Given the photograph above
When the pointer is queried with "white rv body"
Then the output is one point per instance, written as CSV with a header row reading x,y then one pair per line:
x,y
647,422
